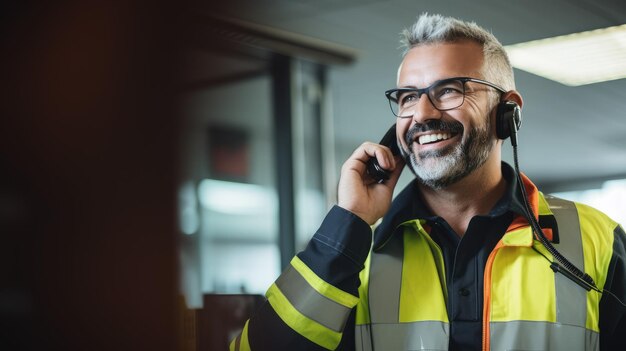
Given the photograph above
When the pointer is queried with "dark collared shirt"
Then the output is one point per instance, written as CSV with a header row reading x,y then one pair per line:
x,y
465,258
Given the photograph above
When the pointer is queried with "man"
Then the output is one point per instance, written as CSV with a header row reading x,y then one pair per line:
x,y
454,264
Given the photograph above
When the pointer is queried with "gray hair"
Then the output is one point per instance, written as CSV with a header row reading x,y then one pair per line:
x,y
432,29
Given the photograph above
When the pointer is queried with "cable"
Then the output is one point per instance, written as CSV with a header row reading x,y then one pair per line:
x,y
614,296
603,291
566,268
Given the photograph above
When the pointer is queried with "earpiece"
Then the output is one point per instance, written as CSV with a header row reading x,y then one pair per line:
x,y
508,120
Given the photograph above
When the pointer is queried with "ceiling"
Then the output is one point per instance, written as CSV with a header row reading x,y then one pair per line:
x,y
570,135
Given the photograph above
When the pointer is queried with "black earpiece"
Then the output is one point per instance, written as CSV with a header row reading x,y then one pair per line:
x,y
508,120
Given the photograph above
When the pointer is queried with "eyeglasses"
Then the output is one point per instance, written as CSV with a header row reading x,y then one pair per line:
x,y
445,94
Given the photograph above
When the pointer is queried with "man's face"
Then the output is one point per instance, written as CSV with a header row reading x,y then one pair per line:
x,y
443,147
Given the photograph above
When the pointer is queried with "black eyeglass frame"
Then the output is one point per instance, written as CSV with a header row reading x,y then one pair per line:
x,y
393,100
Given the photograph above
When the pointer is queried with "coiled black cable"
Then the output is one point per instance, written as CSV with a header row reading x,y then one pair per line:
x,y
567,268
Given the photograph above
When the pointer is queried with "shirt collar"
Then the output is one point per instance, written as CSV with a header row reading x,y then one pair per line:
x,y
407,206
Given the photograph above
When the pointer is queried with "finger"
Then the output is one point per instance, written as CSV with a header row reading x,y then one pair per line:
x,y
382,153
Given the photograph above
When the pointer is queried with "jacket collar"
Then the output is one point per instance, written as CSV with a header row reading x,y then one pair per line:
x,y
408,206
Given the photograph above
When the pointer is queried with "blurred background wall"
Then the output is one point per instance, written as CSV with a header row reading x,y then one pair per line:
x,y
88,169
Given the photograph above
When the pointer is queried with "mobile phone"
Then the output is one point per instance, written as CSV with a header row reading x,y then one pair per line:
x,y
378,173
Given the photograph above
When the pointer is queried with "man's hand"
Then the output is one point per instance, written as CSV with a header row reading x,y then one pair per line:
x,y
358,192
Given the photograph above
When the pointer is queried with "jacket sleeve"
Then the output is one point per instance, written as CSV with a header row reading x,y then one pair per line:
x,y
308,306
612,308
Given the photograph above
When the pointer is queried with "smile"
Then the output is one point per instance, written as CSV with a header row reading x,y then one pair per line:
x,y
433,138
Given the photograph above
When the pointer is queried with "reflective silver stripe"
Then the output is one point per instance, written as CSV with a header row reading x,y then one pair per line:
x,y
428,335
362,341
311,303
571,299
569,333
385,282
536,336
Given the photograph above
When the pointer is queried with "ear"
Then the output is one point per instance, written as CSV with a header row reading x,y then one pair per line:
x,y
508,116
513,95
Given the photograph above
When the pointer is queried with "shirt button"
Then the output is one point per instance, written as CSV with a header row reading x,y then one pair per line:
x,y
464,292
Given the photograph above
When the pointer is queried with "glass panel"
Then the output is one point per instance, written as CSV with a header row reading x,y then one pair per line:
x,y
228,198
309,160
228,203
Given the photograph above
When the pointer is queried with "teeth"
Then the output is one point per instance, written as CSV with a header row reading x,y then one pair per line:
x,y
426,139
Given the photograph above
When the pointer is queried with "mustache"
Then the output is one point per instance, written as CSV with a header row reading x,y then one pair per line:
x,y
435,124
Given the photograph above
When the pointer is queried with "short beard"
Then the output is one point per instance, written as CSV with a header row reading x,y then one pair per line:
x,y
454,163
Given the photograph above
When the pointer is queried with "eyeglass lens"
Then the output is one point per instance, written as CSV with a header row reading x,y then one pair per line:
x,y
444,95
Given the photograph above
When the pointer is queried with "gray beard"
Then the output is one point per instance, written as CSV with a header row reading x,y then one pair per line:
x,y
451,164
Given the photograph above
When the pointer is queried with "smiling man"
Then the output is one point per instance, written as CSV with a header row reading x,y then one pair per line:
x,y
459,261
436,142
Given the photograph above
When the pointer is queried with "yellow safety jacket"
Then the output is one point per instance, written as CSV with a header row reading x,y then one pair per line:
x,y
526,305
401,298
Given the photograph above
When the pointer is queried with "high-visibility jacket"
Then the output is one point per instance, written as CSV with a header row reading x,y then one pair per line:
x,y
527,306
401,299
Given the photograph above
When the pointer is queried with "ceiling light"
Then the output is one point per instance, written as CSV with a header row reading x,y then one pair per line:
x,y
575,59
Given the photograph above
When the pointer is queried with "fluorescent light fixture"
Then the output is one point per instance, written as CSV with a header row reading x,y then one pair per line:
x,y
236,198
575,59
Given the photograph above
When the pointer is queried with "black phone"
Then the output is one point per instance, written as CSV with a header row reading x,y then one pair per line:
x,y
374,169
